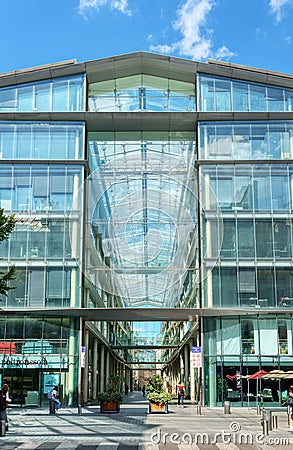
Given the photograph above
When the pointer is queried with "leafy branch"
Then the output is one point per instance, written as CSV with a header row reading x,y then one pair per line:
x,y
7,224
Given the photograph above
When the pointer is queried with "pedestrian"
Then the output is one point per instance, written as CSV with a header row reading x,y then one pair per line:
x,y
3,413
143,390
180,394
54,402
5,392
289,401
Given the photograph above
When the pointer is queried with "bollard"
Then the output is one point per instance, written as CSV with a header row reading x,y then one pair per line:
x,y
79,410
289,414
227,407
198,410
258,410
265,428
2,427
267,416
275,422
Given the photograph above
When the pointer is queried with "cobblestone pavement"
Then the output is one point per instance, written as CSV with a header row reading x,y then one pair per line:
x,y
133,428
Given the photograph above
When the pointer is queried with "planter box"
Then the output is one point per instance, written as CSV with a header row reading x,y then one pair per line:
x,y
157,408
110,407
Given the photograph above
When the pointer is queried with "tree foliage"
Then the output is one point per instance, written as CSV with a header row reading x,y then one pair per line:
x,y
7,224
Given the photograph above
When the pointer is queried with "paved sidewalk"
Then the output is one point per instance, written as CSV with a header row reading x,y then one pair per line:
x,y
133,428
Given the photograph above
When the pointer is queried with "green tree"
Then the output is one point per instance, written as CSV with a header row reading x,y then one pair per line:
x,y
7,224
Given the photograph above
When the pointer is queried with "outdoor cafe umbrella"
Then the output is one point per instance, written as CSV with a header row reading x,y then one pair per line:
x,y
279,375
255,376
274,375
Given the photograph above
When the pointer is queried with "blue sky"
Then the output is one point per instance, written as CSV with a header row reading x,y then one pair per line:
x,y
258,33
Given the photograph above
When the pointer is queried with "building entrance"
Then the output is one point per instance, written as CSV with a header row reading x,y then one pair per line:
x,y
24,386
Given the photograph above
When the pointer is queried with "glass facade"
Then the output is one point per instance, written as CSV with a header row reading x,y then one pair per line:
x,y
245,140
224,94
142,202
41,177
39,140
258,188
247,249
237,347
57,94
196,213
141,93
32,350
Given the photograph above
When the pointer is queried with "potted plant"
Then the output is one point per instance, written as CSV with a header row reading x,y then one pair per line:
x,y
157,396
111,398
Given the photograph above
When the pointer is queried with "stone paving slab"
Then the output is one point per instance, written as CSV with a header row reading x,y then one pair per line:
x,y
133,428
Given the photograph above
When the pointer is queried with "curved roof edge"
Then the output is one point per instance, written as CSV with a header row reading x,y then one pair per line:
x,y
142,62
248,68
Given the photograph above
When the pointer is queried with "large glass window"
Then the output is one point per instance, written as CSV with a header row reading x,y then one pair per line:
x,y
40,287
142,92
229,239
225,94
284,287
282,231
228,287
39,187
58,94
245,231
58,288
243,141
264,238
266,287
233,187
35,140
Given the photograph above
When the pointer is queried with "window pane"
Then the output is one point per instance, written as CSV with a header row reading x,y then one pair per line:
x,y
43,97
240,96
264,240
257,98
60,95
25,98
245,239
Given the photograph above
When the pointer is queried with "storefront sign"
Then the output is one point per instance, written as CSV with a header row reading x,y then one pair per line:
x,y
33,362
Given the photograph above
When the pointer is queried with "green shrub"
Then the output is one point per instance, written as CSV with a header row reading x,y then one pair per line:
x,y
156,391
113,391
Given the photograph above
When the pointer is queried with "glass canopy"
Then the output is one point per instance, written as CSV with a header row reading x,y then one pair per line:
x,y
142,206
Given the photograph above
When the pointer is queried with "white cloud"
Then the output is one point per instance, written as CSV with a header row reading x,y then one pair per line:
x,y
223,53
191,18
277,8
86,6
196,41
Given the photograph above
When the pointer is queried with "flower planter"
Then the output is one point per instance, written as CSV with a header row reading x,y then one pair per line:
x,y
157,408
110,407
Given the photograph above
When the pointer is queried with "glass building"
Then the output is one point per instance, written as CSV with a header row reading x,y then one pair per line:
x,y
153,199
